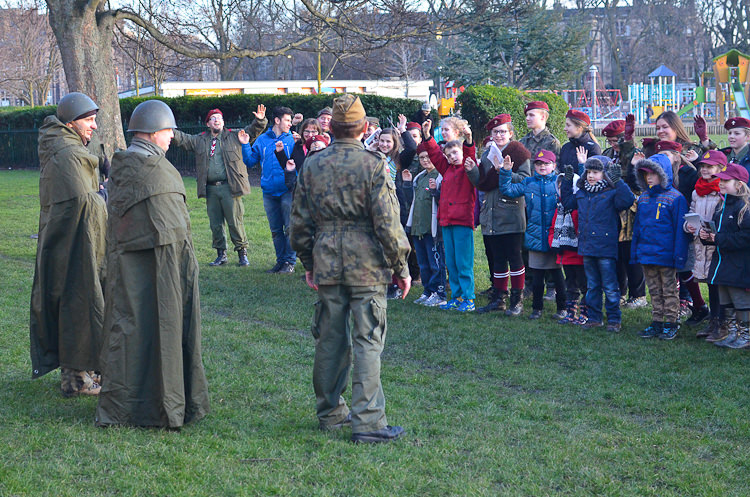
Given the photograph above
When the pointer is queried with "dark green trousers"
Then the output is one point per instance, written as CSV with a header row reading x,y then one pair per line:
x,y
334,343
222,206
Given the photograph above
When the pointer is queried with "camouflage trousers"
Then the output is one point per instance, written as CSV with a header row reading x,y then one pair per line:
x,y
334,343
665,296
74,382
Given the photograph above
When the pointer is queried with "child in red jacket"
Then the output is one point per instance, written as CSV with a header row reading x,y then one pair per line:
x,y
456,214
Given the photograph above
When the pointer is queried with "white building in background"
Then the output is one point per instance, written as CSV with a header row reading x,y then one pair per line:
x,y
418,90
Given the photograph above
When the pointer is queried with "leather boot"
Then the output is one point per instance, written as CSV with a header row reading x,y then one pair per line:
x,y
515,306
731,333
720,332
242,254
221,258
496,304
713,324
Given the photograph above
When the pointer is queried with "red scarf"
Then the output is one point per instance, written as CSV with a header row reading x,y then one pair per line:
x,y
703,187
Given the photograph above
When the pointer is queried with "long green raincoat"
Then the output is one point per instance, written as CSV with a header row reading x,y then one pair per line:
x,y
67,302
153,371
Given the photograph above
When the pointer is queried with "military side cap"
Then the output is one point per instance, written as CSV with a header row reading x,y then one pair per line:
x,y
663,145
545,156
347,109
497,121
578,116
713,158
375,121
614,128
413,125
325,110
737,122
536,105
212,112
733,171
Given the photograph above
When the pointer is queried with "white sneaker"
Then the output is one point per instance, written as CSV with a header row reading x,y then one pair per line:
x,y
421,299
434,300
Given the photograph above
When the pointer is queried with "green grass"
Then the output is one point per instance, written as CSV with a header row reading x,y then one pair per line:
x,y
492,406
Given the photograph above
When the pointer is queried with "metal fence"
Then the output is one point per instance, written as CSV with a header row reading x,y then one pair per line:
x,y
18,149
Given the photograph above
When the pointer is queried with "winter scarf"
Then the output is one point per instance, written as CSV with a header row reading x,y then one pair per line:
x,y
391,168
596,187
703,187
564,234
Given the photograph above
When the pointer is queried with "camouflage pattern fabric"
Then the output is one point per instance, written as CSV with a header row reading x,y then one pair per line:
x,y
545,140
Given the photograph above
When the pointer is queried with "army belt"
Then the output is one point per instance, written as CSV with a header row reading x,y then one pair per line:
x,y
346,226
215,183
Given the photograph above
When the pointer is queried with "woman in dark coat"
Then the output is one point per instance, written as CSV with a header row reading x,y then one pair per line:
x,y
580,134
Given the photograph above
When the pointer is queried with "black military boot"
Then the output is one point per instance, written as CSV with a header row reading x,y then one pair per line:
x,y
221,258
497,303
515,306
242,254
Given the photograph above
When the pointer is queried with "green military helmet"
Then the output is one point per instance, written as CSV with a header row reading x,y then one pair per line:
x,y
151,116
74,105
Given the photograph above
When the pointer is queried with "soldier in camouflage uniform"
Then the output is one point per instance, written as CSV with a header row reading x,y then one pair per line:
x,y
540,137
346,231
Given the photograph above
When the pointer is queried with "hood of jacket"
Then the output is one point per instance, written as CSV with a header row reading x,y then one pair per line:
x,y
659,164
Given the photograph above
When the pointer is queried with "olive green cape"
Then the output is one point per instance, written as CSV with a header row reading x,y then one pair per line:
x,y
153,372
67,303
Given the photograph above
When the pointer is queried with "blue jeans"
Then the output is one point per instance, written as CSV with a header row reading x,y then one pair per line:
x,y
459,259
601,276
431,260
278,211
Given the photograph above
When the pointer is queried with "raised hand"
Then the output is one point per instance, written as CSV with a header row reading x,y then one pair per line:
x,y
699,125
614,172
290,165
260,114
243,137
569,173
426,126
432,184
691,155
638,156
629,127
406,175
469,164
507,163
298,118
582,154
401,123
279,146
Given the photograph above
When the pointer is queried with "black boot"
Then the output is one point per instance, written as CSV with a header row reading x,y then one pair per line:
x,y
515,306
242,254
221,258
495,304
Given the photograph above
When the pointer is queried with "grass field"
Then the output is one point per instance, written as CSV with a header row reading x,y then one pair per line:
x,y
492,406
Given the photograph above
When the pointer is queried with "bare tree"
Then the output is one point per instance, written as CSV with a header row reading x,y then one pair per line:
x,y
728,23
29,58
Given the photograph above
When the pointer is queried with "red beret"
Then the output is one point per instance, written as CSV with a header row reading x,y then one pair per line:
x,y
578,115
497,121
413,125
212,112
663,145
649,142
536,105
737,122
713,158
733,171
545,156
421,148
317,138
614,128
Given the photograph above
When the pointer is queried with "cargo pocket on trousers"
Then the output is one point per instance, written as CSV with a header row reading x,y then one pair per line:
x,y
315,327
379,313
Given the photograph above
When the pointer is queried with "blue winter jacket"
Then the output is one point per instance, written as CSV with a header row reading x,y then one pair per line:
x,y
541,202
598,214
658,237
263,151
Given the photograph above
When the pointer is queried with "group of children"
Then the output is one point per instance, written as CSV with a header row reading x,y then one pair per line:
x,y
612,219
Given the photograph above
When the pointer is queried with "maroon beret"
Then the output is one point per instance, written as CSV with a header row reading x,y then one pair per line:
x,y
497,121
733,171
545,156
649,142
413,125
317,138
536,105
663,145
212,112
614,128
578,115
421,148
713,158
737,122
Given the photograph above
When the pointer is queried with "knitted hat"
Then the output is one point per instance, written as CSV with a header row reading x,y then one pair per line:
x,y
536,105
596,163
426,106
578,115
497,121
545,156
713,158
737,122
614,128
663,145
212,112
733,171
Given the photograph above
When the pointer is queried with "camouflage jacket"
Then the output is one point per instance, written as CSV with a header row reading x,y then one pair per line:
x,y
545,140
345,218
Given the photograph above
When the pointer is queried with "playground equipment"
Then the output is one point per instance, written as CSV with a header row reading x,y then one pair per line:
x,y
732,85
660,92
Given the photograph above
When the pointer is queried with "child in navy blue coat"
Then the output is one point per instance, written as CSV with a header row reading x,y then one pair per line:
x,y
659,242
600,198
541,203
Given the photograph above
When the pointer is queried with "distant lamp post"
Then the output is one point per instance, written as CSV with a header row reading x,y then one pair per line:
x,y
593,70
291,66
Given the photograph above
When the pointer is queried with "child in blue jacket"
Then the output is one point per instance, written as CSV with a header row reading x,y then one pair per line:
x,y
659,243
600,198
541,203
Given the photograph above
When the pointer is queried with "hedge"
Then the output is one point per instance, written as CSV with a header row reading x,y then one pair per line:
x,y
479,104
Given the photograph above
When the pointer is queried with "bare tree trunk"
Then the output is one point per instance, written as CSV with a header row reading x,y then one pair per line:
x,y
85,41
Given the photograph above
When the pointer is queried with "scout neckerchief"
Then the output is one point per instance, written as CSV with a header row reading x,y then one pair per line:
x,y
213,147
